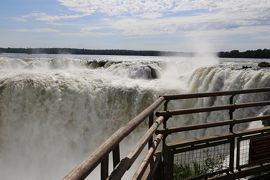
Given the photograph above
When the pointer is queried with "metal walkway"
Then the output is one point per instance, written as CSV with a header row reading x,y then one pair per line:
x,y
232,155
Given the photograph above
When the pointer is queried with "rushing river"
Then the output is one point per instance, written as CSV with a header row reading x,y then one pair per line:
x,y
56,109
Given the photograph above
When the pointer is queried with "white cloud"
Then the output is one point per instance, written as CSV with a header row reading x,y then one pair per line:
x,y
39,30
162,7
171,25
154,17
188,18
19,19
46,17
96,31
120,7
40,16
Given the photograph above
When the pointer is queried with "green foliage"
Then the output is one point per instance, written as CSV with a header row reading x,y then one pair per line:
x,y
81,51
259,53
194,169
184,171
264,64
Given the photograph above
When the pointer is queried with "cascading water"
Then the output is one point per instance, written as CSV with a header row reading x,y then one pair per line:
x,y
54,110
225,79
222,78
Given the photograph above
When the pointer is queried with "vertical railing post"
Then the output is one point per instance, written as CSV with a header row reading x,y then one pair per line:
x,y
116,155
231,112
150,142
171,164
165,173
238,153
166,105
151,121
232,144
165,121
232,140
105,168
165,157
168,162
159,174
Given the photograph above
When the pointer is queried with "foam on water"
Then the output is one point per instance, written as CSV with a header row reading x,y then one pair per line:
x,y
55,110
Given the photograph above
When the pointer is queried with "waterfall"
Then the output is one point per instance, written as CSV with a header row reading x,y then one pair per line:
x,y
54,111
57,117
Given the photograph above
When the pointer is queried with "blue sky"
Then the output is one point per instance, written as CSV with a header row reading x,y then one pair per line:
x,y
178,25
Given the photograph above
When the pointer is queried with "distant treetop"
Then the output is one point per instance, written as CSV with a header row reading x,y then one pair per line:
x,y
91,51
259,53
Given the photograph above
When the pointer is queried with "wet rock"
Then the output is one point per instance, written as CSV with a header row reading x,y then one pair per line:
x,y
154,74
246,67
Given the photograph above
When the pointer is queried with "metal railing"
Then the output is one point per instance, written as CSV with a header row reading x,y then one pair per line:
x,y
101,154
158,165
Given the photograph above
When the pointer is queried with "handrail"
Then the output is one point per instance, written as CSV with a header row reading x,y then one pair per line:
x,y
82,170
212,108
131,157
211,125
101,154
138,174
218,137
213,94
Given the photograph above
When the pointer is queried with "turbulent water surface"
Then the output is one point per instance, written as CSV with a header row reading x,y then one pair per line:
x,y
55,110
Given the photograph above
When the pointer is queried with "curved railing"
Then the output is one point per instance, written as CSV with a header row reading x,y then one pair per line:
x,y
101,154
153,137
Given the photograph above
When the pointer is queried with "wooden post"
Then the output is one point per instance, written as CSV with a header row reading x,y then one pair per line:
x,y
232,144
151,121
231,113
150,142
168,163
166,105
116,156
159,175
238,153
105,168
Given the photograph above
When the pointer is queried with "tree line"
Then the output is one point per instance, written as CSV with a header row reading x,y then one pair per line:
x,y
79,51
91,51
259,53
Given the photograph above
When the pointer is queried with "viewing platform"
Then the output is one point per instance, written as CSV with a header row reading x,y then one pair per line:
x,y
231,154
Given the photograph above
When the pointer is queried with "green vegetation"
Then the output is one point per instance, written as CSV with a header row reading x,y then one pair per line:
x,y
259,53
264,64
91,51
185,171
194,169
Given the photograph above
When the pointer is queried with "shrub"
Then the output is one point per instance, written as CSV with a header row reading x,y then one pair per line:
x,y
194,169
264,64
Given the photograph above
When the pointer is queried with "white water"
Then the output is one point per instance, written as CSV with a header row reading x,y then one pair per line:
x,y
55,110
